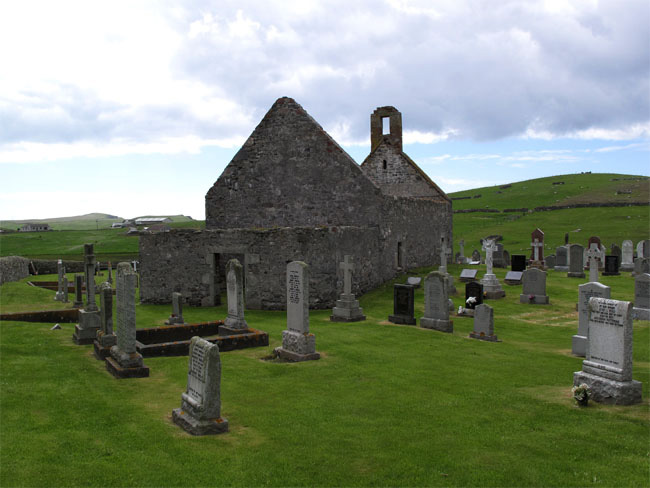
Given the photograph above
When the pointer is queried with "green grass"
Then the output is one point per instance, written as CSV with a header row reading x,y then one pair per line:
x,y
577,188
386,405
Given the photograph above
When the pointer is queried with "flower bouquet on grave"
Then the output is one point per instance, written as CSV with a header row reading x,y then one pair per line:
x,y
581,394
531,298
470,301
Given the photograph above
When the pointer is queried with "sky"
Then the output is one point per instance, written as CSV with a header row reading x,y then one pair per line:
x,y
134,108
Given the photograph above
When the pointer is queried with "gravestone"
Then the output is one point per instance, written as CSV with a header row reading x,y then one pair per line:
x,y
473,297
537,245
124,361
611,266
562,258
597,249
235,322
105,336
403,298
85,331
513,277
177,310
643,249
468,275
491,285
200,412
550,261
462,248
616,251
593,254
498,257
460,256
347,306
298,344
59,294
575,261
506,259
534,290
642,297
476,257
585,292
436,303
641,265
566,239
627,256
607,368
66,285
78,291
110,273
484,324
518,262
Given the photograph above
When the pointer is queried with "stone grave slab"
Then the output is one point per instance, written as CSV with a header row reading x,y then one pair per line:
x,y
534,289
641,297
513,277
607,368
177,310
235,322
200,411
484,324
585,292
124,360
627,256
561,258
298,344
436,303
576,270
468,275
105,336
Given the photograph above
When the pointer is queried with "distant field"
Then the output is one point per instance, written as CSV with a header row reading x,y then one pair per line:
x,y
94,221
611,224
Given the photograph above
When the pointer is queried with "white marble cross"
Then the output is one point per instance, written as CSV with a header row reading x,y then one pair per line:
x,y
347,266
592,254
536,247
488,246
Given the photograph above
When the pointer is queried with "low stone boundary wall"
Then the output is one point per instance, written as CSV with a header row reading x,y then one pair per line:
x,y
13,268
556,207
49,266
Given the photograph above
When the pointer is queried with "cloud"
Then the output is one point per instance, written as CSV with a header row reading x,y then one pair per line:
x,y
90,74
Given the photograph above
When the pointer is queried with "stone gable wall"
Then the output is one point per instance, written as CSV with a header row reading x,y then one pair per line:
x,y
290,173
399,179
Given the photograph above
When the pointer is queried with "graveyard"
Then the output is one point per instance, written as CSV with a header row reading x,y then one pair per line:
x,y
385,404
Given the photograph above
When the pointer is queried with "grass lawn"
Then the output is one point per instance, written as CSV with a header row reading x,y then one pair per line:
x,y
386,405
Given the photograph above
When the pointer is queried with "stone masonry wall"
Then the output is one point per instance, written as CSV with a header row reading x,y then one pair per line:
x,y
13,268
291,173
184,261
398,178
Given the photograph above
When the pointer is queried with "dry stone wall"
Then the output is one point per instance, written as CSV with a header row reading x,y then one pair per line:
x,y
13,268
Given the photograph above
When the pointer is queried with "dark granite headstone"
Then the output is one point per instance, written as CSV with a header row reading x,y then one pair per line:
x,y
518,262
403,298
611,266
476,256
473,289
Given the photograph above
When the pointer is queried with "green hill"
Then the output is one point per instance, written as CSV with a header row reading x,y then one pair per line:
x,y
572,189
611,224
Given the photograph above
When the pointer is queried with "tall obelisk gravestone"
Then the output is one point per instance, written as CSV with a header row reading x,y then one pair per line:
x,y
125,361
89,321
297,343
235,322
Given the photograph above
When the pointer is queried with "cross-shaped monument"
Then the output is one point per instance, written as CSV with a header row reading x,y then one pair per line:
x,y
592,254
347,307
348,267
536,248
444,251
491,286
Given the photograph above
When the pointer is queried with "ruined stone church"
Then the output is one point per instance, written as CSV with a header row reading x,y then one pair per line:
x,y
292,193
